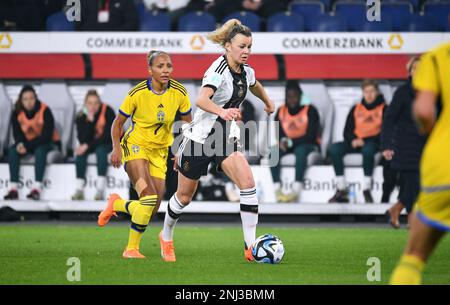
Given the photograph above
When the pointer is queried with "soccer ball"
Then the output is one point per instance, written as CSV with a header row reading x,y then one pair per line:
x,y
268,249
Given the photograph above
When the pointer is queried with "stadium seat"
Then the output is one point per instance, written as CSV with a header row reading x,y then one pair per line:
x,y
400,13
418,23
440,12
114,94
247,18
197,22
308,10
326,23
56,96
154,22
318,94
353,12
385,25
415,3
59,22
5,118
285,22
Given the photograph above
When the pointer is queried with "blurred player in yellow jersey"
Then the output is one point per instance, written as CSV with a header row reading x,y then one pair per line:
x,y
152,106
432,211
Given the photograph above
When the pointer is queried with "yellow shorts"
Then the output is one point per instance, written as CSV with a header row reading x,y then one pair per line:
x,y
156,157
433,209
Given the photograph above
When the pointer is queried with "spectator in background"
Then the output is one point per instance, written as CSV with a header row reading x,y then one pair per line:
x,y
265,8
361,135
20,15
108,15
34,132
403,144
262,8
298,134
93,123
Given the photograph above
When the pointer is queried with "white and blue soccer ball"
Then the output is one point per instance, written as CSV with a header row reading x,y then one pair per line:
x,y
268,249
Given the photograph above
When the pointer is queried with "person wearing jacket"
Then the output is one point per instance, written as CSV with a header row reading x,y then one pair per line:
x,y
361,135
93,124
402,143
34,133
298,134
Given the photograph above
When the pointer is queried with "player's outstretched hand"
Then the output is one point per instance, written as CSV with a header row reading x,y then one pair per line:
x,y
175,162
230,113
116,157
270,108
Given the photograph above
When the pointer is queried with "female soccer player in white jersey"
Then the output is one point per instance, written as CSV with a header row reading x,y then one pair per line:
x,y
224,88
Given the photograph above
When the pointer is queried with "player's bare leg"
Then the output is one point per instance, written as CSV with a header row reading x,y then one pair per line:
x,y
236,167
421,243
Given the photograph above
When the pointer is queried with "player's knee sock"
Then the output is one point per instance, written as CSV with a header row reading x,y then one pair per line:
x,y
174,210
140,219
125,206
408,271
249,215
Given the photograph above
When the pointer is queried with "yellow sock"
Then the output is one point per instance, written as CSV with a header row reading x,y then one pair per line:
x,y
140,219
408,271
125,206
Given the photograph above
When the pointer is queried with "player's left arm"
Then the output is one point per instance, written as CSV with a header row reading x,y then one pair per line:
x,y
426,82
185,109
258,90
425,110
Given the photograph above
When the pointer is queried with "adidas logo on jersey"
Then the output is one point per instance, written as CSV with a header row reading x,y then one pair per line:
x,y
161,106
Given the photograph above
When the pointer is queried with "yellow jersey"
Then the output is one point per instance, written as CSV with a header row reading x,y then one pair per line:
x,y
153,114
433,74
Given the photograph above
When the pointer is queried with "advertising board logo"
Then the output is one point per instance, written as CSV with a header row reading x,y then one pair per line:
x,y
5,41
197,42
395,42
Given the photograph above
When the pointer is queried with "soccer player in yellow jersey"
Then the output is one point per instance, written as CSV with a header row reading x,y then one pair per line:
x,y
152,106
432,210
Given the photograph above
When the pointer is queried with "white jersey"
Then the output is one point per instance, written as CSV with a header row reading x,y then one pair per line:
x,y
230,91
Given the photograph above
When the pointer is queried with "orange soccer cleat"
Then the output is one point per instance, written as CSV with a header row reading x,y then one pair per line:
x,y
167,249
132,253
248,254
108,212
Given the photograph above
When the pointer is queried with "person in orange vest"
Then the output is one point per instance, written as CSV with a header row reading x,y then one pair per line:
x,y
93,123
361,135
34,132
298,134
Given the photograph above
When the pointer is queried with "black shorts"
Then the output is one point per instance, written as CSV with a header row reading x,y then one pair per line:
x,y
409,188
196,157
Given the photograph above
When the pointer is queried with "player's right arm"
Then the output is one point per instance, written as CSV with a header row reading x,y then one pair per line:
x,y
126,109
205,103
426,83
116,133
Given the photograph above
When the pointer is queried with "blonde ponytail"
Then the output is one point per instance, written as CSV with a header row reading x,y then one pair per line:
x,y
227,31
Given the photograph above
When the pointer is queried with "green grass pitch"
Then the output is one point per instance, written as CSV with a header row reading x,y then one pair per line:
x,y
37,254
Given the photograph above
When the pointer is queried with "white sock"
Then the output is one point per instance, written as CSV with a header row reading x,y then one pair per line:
x,y
37,186
367,183
249,215
13,186
174,210
101,183
79,184
297,187
340,180
277,186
